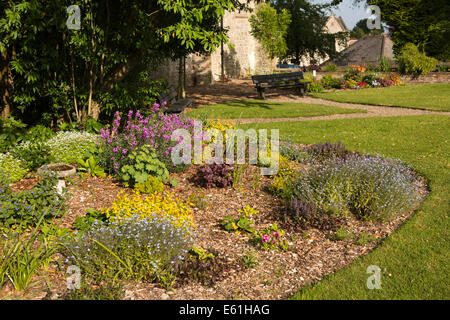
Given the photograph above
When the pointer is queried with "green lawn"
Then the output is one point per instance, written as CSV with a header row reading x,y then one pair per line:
x,y
265,109
426,96
415,258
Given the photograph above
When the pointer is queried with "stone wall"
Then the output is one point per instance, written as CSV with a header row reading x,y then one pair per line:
x,y
244,57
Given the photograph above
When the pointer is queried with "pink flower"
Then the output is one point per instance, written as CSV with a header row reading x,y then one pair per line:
x,y
265,238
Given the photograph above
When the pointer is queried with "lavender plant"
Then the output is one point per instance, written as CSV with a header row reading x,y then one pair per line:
x,y
370,187
327,150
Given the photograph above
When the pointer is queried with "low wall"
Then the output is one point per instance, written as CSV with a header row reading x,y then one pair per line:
x,y
432,77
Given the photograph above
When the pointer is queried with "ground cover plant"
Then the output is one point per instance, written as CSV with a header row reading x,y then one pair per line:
x,y
258,109
423,96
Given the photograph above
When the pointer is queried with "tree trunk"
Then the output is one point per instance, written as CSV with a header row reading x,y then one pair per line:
x,y
6,84
181,78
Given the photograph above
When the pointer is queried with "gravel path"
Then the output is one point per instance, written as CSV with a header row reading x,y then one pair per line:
x,y
243,89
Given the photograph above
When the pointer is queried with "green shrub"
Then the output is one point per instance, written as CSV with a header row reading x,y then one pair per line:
x,y
34,154
353,74
12,167
412,61
384,64
330,67
39,133
142,165
369,78
90,166
315,86
329,82
69,146
238,225
371,188
152,185
443,68
11,132
28,206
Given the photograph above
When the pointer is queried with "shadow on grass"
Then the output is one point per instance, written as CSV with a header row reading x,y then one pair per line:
x,y
254,104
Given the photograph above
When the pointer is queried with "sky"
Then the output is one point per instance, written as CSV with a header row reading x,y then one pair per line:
x,y
350,13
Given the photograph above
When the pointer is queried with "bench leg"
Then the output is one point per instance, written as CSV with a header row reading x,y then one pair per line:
x,y
261,93
302,91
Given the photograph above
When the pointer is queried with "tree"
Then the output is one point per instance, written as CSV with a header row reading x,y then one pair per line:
x,y
270,28
421,22
48,71
306,35
361,30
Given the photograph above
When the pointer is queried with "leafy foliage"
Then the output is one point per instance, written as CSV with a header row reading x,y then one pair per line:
x,y
91,167
143,164
412,61
69,146
85,223
306,35
152,185
177,212
248,211
269,27
215,175
421,22
12,167
27,207
57,72
34,154
238,225
271,238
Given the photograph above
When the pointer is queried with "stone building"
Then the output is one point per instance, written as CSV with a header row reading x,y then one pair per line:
x,y
246,56
333,25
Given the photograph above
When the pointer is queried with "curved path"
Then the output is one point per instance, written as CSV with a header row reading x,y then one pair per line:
x,y
372,111
243,89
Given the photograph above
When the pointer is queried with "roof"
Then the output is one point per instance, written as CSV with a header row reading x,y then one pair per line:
x,y
339,20
367,49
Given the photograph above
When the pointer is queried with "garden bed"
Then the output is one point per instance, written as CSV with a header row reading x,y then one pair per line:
x,y
277,274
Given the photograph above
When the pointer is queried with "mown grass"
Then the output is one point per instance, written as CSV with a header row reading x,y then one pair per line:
x,y
414,259
265,109
426,96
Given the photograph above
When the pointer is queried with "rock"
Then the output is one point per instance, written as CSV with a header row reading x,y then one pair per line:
x,y
165,296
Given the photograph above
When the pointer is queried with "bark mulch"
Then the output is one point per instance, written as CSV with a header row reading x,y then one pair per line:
x,y
277,275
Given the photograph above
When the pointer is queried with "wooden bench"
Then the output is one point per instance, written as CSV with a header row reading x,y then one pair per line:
x,y
173,105
279,80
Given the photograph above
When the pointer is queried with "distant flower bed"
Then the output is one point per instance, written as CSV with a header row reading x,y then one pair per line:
x,y
357,78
